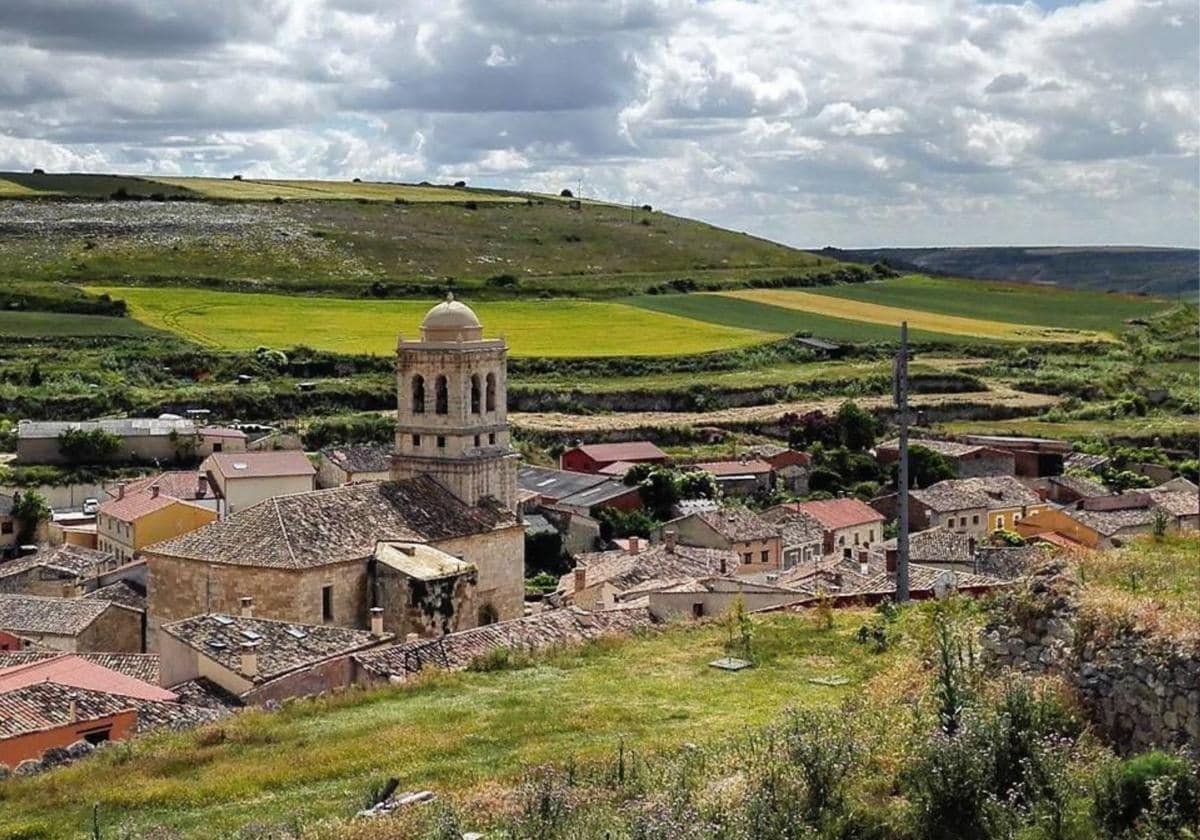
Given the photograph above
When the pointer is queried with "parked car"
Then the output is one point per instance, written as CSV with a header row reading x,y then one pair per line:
x,y
91,506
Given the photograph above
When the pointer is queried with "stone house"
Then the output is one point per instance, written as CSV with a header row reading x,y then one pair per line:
x,y
970,460
189,486
53,571
260,660
212,439
1108,521
130,522
757,542
706,596
739,477
247,478
1032,457
1067,489
802,536
310,557
600,578
978,506
423,590
846,523
73,625
790,468
350,464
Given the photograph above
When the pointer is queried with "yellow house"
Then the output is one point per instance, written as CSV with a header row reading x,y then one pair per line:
x,y
133,521
1056,521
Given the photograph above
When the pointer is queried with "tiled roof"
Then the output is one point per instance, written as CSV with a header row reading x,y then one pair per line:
x,y
222,432
1176,502
935,545
207,694
282,646
737,524
1083,487
140,666
306,530
178,484
133,507
80,672
54,616
367,458
838,513
766,451
726,469
624,570
845,582
69,560
632,450
47,704
1084,461
284,462
617,469
949,448
990,493
1109,522
542,630
122,592
795,527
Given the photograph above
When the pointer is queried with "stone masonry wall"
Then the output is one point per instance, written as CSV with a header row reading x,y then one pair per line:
x,y
1140,690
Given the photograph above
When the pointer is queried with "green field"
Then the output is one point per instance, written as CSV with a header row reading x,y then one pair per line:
x,y
308,190
1144,429
79,185
49,324
451,733
533,328
1013,303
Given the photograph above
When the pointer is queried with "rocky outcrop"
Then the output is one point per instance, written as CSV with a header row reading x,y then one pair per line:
x,y
1141,690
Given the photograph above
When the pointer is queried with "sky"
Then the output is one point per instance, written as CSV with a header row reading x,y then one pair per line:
x,y
853,123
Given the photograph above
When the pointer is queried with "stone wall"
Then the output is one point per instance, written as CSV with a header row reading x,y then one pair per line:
x,y
1139,689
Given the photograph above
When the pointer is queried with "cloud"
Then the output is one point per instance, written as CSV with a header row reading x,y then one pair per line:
x,y
872,122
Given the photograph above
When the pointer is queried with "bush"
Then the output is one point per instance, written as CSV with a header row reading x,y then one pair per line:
x,y
567,194
29,509
1155,789
88,448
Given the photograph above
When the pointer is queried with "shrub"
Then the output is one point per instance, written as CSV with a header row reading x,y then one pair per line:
x,y
1154,789
29,509
460,184
567,194
88,448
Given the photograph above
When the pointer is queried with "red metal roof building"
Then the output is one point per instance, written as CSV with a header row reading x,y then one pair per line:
x,y
593,457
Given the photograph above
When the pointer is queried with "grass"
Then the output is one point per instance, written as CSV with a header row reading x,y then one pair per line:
x,y
452,733
548,328
1122,428
1012,303
47,324
890,317
290,190
81,185
1155,582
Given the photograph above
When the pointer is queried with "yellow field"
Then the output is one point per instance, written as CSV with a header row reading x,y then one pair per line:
x,y
9,189
532,328
874,313
265,190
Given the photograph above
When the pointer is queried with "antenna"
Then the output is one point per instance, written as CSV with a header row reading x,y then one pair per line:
x,y
902,478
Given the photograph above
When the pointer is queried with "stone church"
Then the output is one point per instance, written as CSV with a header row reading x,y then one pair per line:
x,y
438,548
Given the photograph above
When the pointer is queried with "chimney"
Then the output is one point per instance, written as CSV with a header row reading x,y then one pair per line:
x,y
121,490
153,491
247,607
73,707
412,637
864,565
891,555
635,545
580,578
377,622
201,485
249,660
669,540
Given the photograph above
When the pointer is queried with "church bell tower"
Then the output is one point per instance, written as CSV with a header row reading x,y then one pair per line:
x,y
451,414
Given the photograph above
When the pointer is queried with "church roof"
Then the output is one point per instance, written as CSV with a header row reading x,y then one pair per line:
x,y
451,320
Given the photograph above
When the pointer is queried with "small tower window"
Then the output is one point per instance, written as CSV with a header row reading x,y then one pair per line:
x,y
442,396
491,392
441,442
491,438
416,441
418,394
475,393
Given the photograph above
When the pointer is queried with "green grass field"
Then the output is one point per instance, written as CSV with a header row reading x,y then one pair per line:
x,y
1144,429
308,190
452,733
80,185
49,324
533,328
1013,303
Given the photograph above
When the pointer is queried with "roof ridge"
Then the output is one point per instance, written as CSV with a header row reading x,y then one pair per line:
x,y
287,540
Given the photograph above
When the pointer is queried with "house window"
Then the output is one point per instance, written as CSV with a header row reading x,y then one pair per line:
x,y
698,610
418,394
477,440
216,446
871,535
856,537
416,441
1016,518
97,736
975,519
441,396
491,438
747,558
327,603
491,392
766,557
475,393
441,442
842,540
6,527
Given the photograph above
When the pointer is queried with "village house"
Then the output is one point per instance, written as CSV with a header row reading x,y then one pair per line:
x,y
49,705
756,542
212,439
73,625
802,536
593,457
1032,457
851,584
599,578
350,464
247,478
130,522
1067,489
977,506
970,460
790,468
52,571
165,439
189,486
1109,521
8,525
705,596
846,523
739,477
260,660
315,557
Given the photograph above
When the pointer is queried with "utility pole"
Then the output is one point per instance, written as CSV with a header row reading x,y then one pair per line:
x,y
902,478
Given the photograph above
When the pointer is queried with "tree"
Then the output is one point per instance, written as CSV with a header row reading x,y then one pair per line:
x,y
615,524
660,492
697,484
926,467
87,448
857,428
544,554
29,510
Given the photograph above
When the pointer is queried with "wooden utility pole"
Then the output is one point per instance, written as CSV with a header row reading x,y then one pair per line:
x,y
902,478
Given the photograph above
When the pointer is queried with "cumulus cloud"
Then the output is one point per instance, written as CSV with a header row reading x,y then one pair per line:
x,y
868,122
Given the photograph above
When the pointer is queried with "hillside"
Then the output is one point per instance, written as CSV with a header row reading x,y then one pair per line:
x,y
1153,271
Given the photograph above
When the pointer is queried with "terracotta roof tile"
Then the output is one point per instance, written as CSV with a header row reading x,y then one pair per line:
x,y
140,666
988,493
624,570
80,672
723,469
122,592
738,524
234,465
134,506
838,513
184,485
632,450
367,458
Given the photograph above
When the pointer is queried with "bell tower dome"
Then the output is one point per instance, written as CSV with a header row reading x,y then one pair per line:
x,y
451,413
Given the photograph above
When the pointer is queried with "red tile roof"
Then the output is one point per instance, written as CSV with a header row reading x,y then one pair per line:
x,y
632,450
179,484
839,513
261,464
133,508
78,672
728,468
